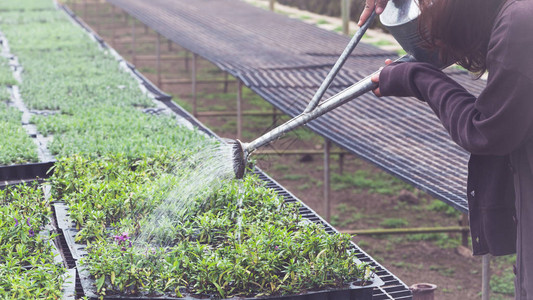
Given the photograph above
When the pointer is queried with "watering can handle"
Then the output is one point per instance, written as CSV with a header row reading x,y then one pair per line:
x,y
340,62
362,87
366,84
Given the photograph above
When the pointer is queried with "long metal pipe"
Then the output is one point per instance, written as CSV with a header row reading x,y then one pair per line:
x,y
352,92
133,40
271,4
348,94
194,87
362,87
158,54
340,62
345,15
339,99
382,231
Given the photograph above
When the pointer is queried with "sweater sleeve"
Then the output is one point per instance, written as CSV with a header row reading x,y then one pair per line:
x,y
501,118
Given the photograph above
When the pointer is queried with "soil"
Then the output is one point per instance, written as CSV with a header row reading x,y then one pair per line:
x,y
362,196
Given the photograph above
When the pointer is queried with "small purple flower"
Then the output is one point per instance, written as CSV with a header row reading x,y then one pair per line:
x,y
276,247
122,238
31,233
16,222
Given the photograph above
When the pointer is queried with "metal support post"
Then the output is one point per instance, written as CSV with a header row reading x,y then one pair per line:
x,y
485,279
169,45
239,110
274,115
113,26
186,61
345,12
327,187
85,10
194,107
158,53
225,82
271,4
133,41
98,23
464,222
341,163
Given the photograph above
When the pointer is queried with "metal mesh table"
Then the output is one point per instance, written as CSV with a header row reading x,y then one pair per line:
x,y
285,60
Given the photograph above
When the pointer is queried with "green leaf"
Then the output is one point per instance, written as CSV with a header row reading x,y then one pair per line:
x,y
219,288
100,283
178,293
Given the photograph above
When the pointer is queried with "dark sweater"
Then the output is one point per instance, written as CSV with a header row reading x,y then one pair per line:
x,y
491,127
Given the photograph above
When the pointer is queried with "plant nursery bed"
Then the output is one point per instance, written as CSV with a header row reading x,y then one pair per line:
x,y
89,210
357,290
29,251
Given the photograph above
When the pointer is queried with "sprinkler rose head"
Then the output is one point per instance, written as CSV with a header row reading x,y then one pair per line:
x,y
239,159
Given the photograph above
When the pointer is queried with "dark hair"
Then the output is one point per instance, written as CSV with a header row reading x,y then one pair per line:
x,y
459,29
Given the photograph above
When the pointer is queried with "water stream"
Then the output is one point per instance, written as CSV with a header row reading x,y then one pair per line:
x,y
196,176
239,218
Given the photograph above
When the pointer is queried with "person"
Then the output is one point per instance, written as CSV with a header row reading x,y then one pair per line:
x,y
496,127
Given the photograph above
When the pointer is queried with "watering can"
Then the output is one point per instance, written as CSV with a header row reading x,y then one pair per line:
x,y
400,17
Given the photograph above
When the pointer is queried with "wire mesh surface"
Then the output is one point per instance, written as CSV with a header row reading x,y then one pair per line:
x,y
284,60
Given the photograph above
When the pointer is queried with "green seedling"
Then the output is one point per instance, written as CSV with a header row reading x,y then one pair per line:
x,y
6,75
27,267
272,251
16,147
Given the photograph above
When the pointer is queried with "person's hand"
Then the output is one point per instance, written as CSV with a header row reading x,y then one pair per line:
x,y
370,6
375,78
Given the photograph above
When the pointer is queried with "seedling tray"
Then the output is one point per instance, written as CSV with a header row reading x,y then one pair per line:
x,y
354,291
14,174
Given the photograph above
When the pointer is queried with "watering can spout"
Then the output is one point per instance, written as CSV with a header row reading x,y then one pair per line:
x,y
240,156
400,17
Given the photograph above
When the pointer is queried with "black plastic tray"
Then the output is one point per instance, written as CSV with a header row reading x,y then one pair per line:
x,y
14,174
77,251
354,292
